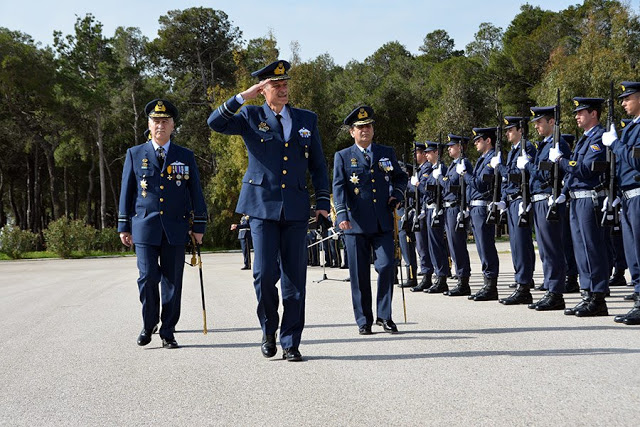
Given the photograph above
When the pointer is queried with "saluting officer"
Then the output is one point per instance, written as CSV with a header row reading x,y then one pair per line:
x,y
628,164
479,190
454,212
520,238
283,143
368,184
548,233
589,240
160,194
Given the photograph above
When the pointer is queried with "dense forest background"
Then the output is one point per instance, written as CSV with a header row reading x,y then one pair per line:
x,y
69,112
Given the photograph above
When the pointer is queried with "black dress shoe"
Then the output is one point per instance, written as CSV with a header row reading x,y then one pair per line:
x,y
489,292
145,335
388,326
245,268
551,301
169,343
439,287
597,306
409,283
365,330
617,279
513,285
586,297
522,295
268,346
633,316
291,354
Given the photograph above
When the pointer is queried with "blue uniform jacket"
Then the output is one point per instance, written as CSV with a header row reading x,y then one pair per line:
x,y
426,180
509,168
588,149
540,180
452,178
152,198
628,167
360,194
243,227
276,179
477,187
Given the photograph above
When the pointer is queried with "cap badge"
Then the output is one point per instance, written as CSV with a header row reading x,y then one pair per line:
x,y
362,114
160,107
279,69
576,103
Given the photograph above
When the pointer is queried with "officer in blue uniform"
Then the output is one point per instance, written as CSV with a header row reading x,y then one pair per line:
x,y
422,240
368,184
407,237
628,173
428,187
159,196
456,213
283,143
478,182
589,237
520,236
548,233
244,235
571,284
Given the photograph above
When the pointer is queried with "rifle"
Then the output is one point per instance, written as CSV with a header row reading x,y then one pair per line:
x,y
416,199
611,216
524,219
406,225
494,217
552,213
461,219
437,215
398,257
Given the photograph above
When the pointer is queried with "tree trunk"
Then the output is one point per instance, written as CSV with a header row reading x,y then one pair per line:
x,y
90,189
17,216
102,163
136,137
66,191
51,168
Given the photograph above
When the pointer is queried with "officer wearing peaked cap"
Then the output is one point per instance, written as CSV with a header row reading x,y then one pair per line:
x,y
479,194
520,240
283,143
368,184
549,234
580,183
160,194
628,175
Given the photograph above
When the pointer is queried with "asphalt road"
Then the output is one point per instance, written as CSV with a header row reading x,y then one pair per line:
x,y
69,356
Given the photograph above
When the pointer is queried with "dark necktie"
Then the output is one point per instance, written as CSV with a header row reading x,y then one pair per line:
x,y
367,158
161,155
280,127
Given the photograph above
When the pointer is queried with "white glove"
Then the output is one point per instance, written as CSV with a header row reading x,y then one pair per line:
x,y
561,199
554,154
461,168
615,203
465,213
414,180
521,209
495,161
609,137
522,162
501,205
437,172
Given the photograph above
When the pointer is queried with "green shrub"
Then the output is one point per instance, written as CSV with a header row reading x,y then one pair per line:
x,y
108,240
14,242
64,236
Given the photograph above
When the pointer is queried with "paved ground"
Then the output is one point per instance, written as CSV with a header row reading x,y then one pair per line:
x,y
69,357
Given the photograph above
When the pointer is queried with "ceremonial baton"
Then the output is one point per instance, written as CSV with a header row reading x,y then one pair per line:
x,y
398,257
196,249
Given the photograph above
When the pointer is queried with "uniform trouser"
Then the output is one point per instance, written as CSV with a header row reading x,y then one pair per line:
x,y
521,242
246,251
484,235
408,249
422,246
168,273
549,236
284,241
617,247
589,244
359,248
437,247
630,222
567,241
344,245
457,241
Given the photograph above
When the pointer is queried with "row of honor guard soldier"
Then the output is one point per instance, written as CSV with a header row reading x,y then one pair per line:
x,y
244,236
161,202
368,184
283,143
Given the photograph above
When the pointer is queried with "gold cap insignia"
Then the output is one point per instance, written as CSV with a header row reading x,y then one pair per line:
x,y
474,133
362,114
622,123
160,107
506,122
576,103
623,88
532,113
448,138
279,69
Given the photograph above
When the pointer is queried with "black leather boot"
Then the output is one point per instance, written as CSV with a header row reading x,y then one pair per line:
x,y
489,291
409,281
634,313
425,284
571,285
617,278
586,297
597,306
462,288
439,287
550,301
522,295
